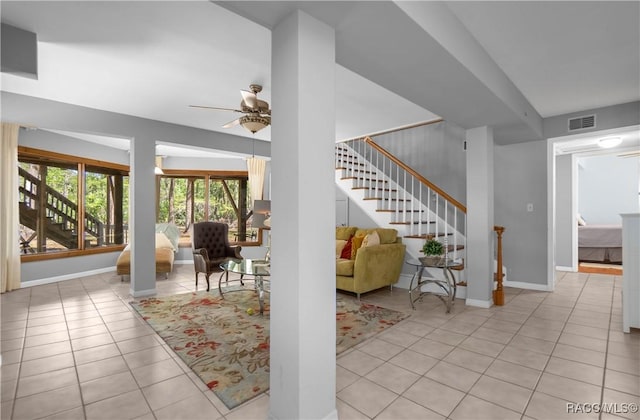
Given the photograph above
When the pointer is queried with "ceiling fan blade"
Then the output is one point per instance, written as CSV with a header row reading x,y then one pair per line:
x,y
249,99
216,108
232,123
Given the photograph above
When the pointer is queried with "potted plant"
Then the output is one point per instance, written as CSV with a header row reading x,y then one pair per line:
x,y
433,251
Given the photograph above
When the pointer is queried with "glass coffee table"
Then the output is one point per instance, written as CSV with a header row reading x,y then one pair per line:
x,y
259,269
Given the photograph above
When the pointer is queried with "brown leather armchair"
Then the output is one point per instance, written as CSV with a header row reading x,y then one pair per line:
x,y
210,246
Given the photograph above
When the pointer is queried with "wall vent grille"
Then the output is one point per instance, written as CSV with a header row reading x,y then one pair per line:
x,y
580,123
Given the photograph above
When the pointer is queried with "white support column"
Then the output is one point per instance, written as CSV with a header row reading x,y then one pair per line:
x,y
142,216
303,294
480,235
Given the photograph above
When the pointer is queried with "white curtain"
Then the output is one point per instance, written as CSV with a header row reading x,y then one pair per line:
x,y
256,169
9,213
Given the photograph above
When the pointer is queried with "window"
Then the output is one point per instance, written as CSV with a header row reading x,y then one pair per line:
x,y
69,204
187,197
106,205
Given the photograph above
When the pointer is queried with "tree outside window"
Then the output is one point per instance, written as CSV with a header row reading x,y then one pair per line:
x,y
187,199
67,204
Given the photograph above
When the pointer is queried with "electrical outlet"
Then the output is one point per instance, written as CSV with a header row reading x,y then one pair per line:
x,y
529,207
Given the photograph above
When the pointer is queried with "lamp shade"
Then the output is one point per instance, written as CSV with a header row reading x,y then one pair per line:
x,y
158,169
262,206
262,213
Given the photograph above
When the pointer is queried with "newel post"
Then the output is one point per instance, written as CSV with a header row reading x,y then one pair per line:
x,y
498,294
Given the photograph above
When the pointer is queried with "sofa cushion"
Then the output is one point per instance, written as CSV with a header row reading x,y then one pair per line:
x,y
355,245
346,250
371,239
163,242
171,231
340,246
345,232
387,236
344,267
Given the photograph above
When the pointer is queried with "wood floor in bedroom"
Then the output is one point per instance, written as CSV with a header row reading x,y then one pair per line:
x,y
597,268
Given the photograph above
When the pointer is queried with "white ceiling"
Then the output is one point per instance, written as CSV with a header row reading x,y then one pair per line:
x,y
564,56
166,56
153,59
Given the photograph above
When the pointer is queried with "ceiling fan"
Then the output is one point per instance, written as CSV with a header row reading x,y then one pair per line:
x,y
257,112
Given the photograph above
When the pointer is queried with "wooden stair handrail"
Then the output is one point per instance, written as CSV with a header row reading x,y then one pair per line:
x,y
393,130
498,294
419,177
416,175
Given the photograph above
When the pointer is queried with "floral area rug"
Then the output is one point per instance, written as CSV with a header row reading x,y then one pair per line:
x,y
226,342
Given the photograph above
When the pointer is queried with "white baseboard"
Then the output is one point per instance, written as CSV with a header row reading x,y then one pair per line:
x,y
405,280
478,303
142,293
333,415
528,286
563,268
70,276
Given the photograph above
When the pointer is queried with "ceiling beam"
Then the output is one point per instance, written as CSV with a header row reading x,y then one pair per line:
x,y
19,52
436,19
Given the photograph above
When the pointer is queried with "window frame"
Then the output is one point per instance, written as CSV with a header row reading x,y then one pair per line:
x,y
83,163
45,157
208,175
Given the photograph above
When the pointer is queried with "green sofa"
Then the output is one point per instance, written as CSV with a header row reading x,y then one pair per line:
x,y
370,267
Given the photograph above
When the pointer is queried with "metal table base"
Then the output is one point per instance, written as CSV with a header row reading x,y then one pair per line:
x,y
447,286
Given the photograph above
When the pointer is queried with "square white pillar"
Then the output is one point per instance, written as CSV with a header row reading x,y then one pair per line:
x,y
303,284
480,243
142,217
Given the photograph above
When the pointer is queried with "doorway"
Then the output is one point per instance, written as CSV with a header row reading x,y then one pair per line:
x,y
572,158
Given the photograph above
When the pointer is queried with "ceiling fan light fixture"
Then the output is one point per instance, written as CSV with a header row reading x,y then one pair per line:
x,y
254,123
609,142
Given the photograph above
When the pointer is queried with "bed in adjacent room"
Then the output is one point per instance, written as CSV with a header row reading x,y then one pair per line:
x,y
600,243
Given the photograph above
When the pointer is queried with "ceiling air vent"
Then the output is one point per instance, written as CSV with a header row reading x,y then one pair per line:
x,y
580,123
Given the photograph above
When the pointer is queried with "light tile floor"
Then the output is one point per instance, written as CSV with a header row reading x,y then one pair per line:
x,y
76,350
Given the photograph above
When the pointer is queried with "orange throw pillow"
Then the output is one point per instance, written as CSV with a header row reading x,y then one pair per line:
x,y
355,246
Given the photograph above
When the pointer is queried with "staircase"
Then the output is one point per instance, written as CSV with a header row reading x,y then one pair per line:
x,y
396,196
54,230
60,214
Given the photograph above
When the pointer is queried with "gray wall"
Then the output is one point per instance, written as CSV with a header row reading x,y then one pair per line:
x,y
565,219
520,174
66,267
45,140
615,116
355,215
607,186
435,151
520,170
205,164
54,142
38,112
